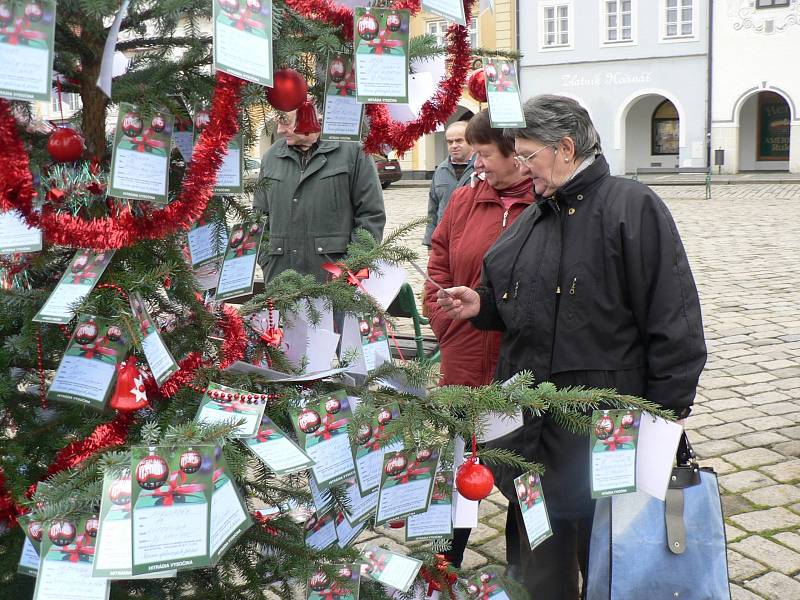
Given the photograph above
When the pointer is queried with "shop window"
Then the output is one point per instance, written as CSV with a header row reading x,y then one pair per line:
x,y
666,129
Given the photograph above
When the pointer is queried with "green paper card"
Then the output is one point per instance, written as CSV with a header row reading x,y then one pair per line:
x,y
321,530
277,450
114,558
140,155
16,236
343,114
388,568
88,368
345,586
239,265
452,10
345,532
360,507
321,429
485,586
82,274
502,92
171,498
229,518
381,49
369,449
612,448
406,483
243,39
229,175
437,521
28,560
221,404
27,34
183,137
158,356
534,510
65,567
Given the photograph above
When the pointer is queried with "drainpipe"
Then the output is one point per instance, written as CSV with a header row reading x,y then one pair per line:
x,y
516,24
709,63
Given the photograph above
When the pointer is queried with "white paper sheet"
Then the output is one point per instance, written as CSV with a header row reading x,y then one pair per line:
x,y
657,445
385,286
465,512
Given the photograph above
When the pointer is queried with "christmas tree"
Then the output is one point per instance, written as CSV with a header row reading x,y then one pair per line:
x,y
69,456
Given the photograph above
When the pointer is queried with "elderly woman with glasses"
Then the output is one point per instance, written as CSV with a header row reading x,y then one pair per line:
x,y
589,287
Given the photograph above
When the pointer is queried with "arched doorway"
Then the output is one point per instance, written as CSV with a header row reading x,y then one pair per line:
x,y
764,132
652,133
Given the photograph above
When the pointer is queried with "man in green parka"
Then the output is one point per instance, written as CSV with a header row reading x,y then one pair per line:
x,y
315,194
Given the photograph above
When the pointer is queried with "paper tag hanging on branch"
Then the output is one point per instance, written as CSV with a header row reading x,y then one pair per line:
x,y
343,114
27,35
109,51
243,39
381,51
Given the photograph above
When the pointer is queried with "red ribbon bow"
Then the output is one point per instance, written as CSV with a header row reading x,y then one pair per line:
x,y
434,583
77,278
21,30
531,497
98,347
78,550
177,489
383,41
412,471
55,195
145,142
272,336
264,434
346,86
352,278
328,427
618,437
378,564
244,247
486,590
264,520
244,21
377,437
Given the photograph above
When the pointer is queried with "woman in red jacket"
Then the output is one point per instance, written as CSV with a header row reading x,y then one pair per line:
x,y
475,217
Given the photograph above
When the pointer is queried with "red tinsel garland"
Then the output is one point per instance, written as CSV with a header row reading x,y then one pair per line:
x,y
17,190
383,130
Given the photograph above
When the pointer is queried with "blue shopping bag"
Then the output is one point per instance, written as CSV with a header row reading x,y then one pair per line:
x,y
642,547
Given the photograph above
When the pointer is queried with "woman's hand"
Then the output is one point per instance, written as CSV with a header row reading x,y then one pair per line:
x,y
459,302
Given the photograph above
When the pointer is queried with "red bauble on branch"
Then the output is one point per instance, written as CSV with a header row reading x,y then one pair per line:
x,y
474,481
65,145
288,90
307,122
476,84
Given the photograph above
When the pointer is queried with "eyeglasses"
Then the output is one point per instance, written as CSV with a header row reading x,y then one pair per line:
x,y
524,160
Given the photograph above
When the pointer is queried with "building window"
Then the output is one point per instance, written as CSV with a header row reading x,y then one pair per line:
x,y
618,20
438,29
666,129
555,26
771,3
72,102
679,18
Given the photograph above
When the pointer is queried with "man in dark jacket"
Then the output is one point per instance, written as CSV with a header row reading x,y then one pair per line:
x,y
590,286
315,195
452,173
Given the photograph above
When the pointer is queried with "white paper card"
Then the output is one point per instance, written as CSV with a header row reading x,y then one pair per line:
x,y
658,443
16,236
465,512
385,285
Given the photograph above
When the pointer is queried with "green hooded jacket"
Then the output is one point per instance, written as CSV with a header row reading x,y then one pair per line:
x,y
314,210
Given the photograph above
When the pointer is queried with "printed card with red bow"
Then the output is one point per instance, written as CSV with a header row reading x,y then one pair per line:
x,y
371,443
485,586
162,364
343,115
321,530
407,480
113,555
437,521
342,584
16,235
27,39
229,517
321,429
238,271
84,271
530,496
502,93
87,370
171,496
242,40
277,450
381,51
229,175
613,450
222,404
140,154
68,552
389,568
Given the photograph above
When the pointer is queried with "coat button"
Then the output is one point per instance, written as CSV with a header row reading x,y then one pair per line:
x,y
294,251
319,249
580,196
571,211
294,199
279,250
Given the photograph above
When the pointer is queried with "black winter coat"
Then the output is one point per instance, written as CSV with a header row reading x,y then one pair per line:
x,y
591,287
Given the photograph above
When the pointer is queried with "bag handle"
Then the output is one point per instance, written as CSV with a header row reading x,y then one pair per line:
x,y
687,472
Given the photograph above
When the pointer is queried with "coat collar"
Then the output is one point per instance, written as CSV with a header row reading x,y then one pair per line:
x,y
486,193
447,164
284,151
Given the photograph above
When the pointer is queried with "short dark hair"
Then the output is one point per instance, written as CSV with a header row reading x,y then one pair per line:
x,y
480,131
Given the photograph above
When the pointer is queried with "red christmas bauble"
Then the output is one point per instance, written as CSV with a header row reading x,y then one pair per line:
x,y
486,577
230,6
308,420
346,572
34,12
79,264
318,581
307,122
190,461
396,465
384,416
35,530
86,332
333,406
397,524
158,123
337,69
473,589
91,527
476,85
604,427
491,72
363,328
254,228
202,118
132,124
254,5
152,472
627,421
367,27
119,492
6,13
522,491
363,434
237,237
423,455
474,481
505,68
65,145
62,533
393,22
288,90
114,333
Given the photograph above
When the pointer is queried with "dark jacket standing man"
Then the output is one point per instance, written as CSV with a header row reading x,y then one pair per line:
x,y
315,195
452,173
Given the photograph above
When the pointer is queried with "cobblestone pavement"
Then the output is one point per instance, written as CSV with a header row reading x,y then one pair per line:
x,y
743,246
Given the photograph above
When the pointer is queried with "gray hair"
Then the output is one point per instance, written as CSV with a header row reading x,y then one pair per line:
x,y
550,118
